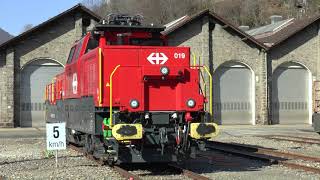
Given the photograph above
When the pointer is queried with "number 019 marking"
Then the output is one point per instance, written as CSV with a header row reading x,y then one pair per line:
x,y
179,55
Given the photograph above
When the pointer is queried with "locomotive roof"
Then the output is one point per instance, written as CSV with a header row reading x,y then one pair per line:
x,y
126,28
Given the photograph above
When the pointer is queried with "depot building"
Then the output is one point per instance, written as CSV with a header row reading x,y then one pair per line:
x,y
255,80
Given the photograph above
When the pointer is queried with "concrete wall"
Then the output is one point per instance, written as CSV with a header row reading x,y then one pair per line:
x,y
216,45
51,42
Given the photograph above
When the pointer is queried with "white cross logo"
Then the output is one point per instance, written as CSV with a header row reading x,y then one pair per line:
x,y
74,83
155,58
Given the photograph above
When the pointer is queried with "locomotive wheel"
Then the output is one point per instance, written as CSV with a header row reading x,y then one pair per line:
x,y
88,146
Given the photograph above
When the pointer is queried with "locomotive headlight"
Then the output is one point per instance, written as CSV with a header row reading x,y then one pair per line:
x,y
164,70
134,103
191,103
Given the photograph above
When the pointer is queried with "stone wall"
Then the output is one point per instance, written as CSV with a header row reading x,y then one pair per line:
x,y
229,47
50,42
196,36
216,45
6,88
301,48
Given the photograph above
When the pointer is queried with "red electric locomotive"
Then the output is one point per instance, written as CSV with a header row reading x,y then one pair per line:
x,y
127,97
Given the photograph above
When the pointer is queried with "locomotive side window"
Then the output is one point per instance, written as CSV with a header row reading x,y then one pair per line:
x,y
71,54
92,44
120,39
79,47
146,42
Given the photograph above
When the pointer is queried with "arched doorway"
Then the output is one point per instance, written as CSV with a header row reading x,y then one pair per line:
x,y
291,94
234,94
33,78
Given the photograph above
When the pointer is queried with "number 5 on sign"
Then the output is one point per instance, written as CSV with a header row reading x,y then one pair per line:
x,y
56,136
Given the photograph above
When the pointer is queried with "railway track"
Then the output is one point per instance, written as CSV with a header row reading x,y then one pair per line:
x,y
301,140
128,175
266,155
124,173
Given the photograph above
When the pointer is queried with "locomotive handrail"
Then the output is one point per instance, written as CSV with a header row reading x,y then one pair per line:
x,y
194,66
210,88
100,76
194,59
210,84
116,68
52,90
210,81
110,99
203,81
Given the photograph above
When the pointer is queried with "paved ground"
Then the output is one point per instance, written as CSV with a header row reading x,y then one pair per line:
x,y
243,130
22,132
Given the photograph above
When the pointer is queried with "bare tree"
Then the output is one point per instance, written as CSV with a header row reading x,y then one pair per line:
x,y
239,12
154,11
27,27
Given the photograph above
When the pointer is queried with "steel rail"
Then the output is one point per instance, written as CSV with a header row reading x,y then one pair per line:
x,y
302,140
292,140
300,167
124,173
267,155
189,173
297,137
265,151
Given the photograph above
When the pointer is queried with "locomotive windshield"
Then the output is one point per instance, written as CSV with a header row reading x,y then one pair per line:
x,y
71,54
146,42
127,40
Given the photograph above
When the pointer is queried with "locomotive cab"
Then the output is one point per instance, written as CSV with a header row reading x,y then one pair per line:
x,y
127,97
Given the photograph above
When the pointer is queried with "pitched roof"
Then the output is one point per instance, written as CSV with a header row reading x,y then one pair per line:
x,y
174,22
76,8
286,32
188,19
269,29
178,23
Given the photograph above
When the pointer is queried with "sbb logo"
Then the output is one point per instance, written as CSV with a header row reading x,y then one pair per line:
x,y
157,58
74,83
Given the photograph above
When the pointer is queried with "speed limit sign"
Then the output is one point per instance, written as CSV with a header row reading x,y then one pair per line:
x,y
56,136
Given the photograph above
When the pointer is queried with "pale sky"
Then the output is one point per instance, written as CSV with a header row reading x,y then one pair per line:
x,y
15,14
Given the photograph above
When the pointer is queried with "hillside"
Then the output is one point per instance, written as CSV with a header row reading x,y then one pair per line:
x,y
253,13
4,36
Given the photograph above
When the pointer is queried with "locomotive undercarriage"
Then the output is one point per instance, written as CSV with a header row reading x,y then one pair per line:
x,y
165,136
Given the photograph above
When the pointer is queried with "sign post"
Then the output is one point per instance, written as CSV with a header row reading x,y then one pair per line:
x,y
56,137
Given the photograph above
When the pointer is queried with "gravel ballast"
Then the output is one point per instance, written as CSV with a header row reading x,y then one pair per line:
x,y
25,158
